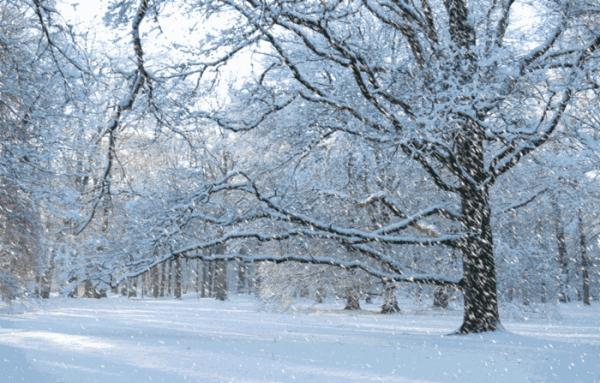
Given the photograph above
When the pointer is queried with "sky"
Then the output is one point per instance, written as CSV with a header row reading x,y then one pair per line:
x,y
86,16
176,28
82,13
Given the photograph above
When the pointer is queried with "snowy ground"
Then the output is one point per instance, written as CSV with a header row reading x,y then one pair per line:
x,y
117,340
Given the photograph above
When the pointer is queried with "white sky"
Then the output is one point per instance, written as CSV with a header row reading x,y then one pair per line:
x,y
87,16
82,13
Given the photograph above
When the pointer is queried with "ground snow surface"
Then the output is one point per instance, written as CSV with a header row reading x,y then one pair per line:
x,y
117,340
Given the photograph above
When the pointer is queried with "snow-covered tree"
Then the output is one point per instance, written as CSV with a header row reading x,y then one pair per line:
x,y
461,92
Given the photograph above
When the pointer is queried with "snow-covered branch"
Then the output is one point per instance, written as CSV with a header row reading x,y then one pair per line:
x,y
326,261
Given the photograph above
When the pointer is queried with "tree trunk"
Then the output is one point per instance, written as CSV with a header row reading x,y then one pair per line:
x,y
155,282
304,292
220,275
440,298
163,278
352,302
544,297
585,276
169,272
187,276
319,295
130,288
390,303
563,260
141,284
45,283
210,282
198,279
127,288
220,280
510,294
251,277
241,286
479,268
525,301
90,291
74,293
177,277
204,292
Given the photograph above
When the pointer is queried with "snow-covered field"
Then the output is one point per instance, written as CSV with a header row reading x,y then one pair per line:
x,y
117,340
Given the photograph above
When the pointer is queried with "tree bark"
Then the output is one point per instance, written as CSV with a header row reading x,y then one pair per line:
x,y
162,280
220,275
133,287
198,281
155,282
562,257
390,303
45,283
204,293
544,297
440,298
479,268
90,291
169,272
319,295
525,301
241,286
220,280
210,282
352,302
178,276
585,276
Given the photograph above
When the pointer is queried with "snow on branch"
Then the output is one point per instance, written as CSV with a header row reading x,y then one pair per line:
x,y
408,221
40,10
356,235
511,155
326,261
140,77
525,202
243,126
